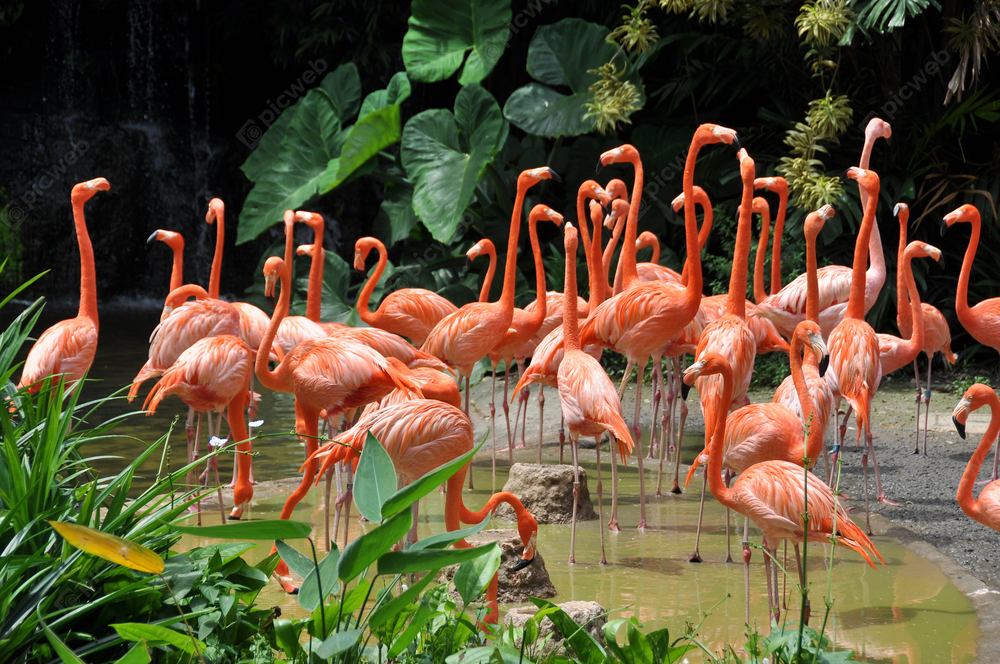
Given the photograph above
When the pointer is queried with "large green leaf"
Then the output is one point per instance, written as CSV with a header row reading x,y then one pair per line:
x,y
275,529
416,490
369,136
446,539
365,550
339,642
343,85
445,154
410,633
310,595
395,218
269,146
442,31
374,481
384,613
405,562
474,575
396,93
157,635
297,562
560,55
585,646
294,176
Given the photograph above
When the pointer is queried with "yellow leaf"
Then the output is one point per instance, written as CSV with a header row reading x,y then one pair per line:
x,y
111,548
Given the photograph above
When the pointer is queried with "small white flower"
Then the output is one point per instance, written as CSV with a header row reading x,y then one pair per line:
x,y
215,441
256,424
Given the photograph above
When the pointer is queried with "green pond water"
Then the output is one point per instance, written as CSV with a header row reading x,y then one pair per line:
x,y
907,611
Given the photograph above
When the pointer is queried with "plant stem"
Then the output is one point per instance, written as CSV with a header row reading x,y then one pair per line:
x,y
194,641
319,584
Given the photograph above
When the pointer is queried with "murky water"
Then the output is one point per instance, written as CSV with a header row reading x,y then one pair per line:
x,y
907,612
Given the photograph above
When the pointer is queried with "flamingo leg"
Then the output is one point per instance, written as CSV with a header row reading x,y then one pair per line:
x,y
696,556
666,432
613,522
467,379
920,396
348,494
541,424
493,428
767,573
638,443
506,414
538,460
306,422
864,465
784,579
654,437
576,497
562,435
878,478
773,555
746,569
522,400
326,512
339,502
841,430
676,488
729,555
600,489
927,403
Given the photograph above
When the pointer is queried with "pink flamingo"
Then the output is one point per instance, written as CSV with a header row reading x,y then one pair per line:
x,y
778,185
986,508
894,352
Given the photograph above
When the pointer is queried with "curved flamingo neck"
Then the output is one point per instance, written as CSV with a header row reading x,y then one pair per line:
x,y
630,274
484,292
88,273
609,254
759,292
814,442
965,499
856,303
692,264
812,278
875,252
537,316
962,293
314,296
278,379
916,341
571,324
506,301
779,229
718,488
367,315
708,215
215,277
178,295
177,271
904,319
584,194
736,303
597,278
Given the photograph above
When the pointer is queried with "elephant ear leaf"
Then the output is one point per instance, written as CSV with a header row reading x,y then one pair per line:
x,y
441,32
560,56
446,153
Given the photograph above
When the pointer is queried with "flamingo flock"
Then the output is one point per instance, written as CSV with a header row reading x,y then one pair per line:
x,y
399,378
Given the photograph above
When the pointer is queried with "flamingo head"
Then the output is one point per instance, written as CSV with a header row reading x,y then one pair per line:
x,y
617,155
678,202
815,220
289,219
879,128
865,177
570,239
304,250
777,184
975,397
594,191
810,333
527,528
169,238
712,133
361,249
902,212
967,212
533,176
761,207
541,212
596,213
476,250
747,167
918,249
216,210
646,239
616,189
312,219
619,210
710,364
273,268
86,190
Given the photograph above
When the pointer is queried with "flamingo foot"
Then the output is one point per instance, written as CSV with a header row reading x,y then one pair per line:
x,y
886,501
676,488
613,525
695,558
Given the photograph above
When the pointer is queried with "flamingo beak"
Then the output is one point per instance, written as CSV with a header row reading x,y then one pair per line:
x,y
521,564
959,427
152,238
824,364
944,226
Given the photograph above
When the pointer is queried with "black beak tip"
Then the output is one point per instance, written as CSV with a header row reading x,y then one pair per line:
x,y
599,167
823,364
521,564
468,264
685,390
944,227
959,427
941,261
736,143
152,238
555,176
112,189
844,178
232,518
888,140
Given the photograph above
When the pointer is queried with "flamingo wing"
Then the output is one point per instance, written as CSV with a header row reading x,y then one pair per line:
x,y
66,348
589,401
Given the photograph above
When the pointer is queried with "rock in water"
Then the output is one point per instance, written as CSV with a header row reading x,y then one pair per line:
x,y
547,492
589,614
513,587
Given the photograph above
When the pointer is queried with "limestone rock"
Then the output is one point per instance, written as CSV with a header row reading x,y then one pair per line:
x,y
590,614
513,587
547,492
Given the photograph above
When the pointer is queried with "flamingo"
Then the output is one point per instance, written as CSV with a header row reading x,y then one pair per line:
x,y
463,338
176,243
331,374
638,320
420,436
409,312
980,320
729,335
773,431
787,307
653,271
484,246
775,495
896,353
296,329
761,207
544,366
779,185
855,370
66,350
819,389
524,325
589,401
213,375
986,508
937,336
